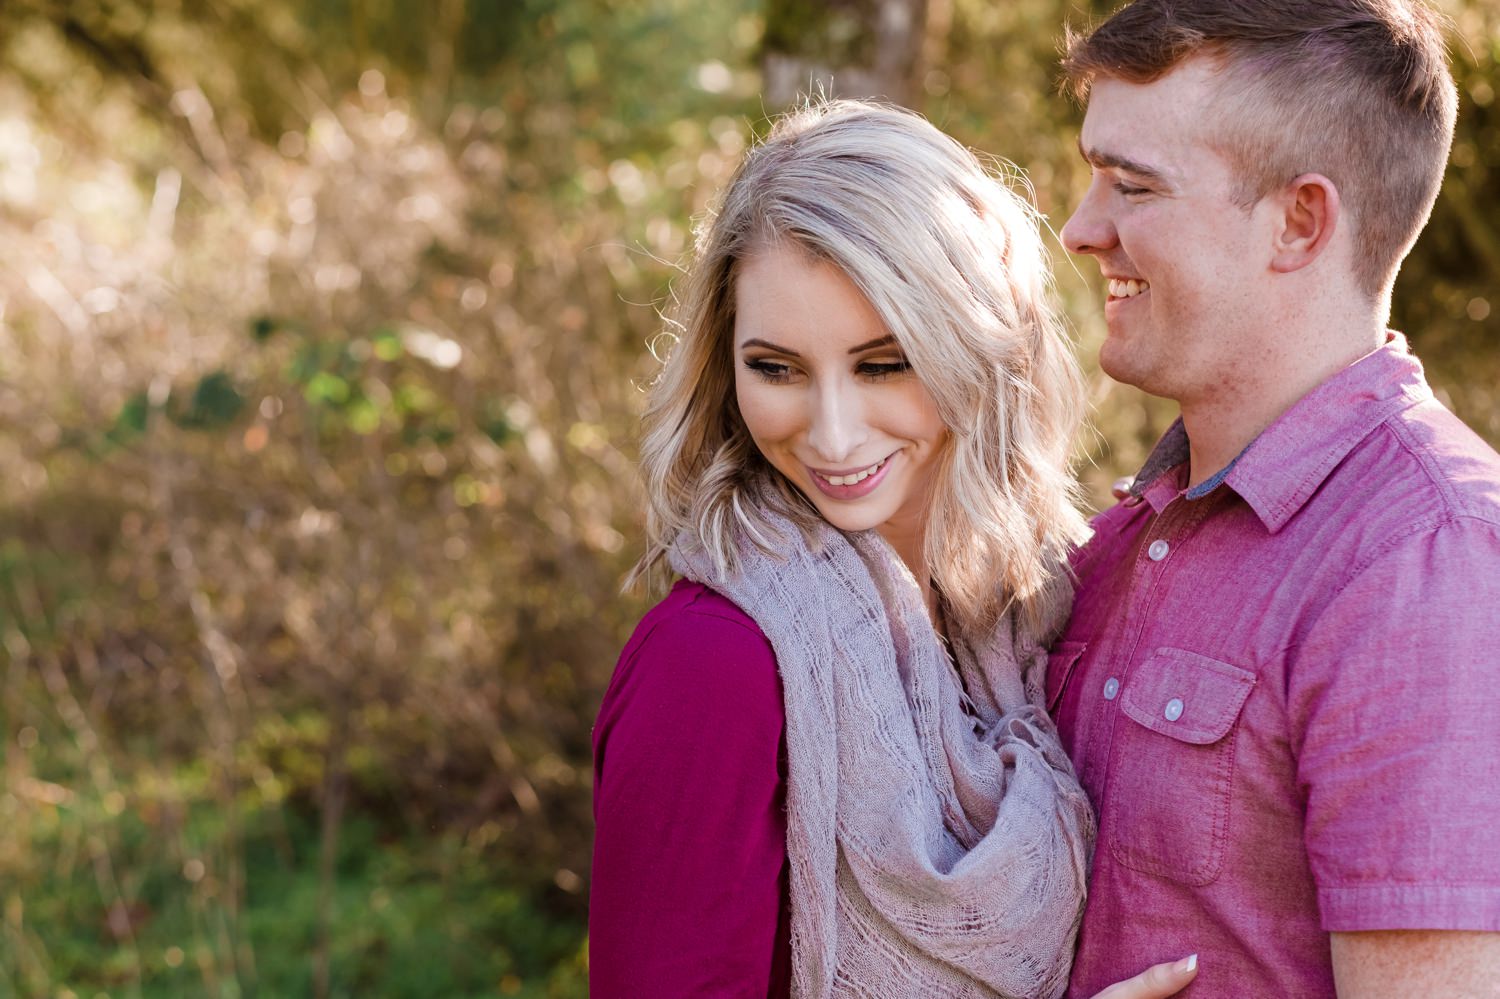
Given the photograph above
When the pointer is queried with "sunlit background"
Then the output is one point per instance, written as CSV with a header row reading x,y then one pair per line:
x,y
322,332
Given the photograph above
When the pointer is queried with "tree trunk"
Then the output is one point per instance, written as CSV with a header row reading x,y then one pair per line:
x,y
844,48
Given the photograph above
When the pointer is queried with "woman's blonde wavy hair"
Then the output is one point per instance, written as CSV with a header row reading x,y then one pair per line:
x,y
952,261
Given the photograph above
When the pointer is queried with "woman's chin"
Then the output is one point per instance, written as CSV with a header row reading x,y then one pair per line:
x,y
850,517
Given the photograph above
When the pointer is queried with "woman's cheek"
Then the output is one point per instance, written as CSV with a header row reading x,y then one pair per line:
x,y
768,412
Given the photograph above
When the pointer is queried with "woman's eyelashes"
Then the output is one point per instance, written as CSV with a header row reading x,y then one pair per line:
x,y
881,370
775,372
772,371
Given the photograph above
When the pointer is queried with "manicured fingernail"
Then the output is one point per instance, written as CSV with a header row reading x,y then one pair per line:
x,y
1188,964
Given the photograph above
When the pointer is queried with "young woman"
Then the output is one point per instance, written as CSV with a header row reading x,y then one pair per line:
x,y
822,766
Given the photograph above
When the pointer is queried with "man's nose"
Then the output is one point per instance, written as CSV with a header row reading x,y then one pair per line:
x,y
837,425
1089,229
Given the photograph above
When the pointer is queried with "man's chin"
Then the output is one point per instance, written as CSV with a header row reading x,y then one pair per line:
x,y
1116,361
1130,369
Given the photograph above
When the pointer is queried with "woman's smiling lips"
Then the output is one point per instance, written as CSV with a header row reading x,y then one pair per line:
x,y
851,484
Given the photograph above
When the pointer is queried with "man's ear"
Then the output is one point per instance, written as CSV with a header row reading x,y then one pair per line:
x,y
1310,213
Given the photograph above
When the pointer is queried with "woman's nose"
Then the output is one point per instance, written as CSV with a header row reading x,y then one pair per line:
x,y
838,424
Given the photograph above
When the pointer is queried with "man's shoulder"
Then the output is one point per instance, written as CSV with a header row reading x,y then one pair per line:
x,y
1446,462
1421,483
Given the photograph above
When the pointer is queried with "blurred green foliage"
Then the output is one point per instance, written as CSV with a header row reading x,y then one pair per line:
x,y
322,332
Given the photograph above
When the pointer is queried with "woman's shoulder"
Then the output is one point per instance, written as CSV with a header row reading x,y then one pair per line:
x,y
693,613
697,649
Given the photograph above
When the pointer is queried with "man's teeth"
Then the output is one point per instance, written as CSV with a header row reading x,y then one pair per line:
x,y
853,477
1126,289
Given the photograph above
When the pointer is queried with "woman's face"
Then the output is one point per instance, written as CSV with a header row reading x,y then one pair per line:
x,y
830,400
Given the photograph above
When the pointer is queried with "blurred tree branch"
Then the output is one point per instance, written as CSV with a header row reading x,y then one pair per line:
x,y
845,48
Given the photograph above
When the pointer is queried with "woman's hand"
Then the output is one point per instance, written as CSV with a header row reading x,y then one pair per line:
x,y
1156,982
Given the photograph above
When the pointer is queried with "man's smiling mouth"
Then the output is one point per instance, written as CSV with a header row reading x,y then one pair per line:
x,y
1126,288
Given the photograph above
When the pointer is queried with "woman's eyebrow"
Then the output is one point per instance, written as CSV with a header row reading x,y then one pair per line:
x,y
758,342
883,341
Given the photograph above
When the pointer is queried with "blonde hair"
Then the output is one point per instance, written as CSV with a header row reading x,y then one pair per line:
x,y
952,261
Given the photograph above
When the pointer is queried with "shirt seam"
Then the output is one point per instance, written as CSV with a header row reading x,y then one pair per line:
x,y
1415,529
689,608
1446,515
744,622
1388,885
1402,433
1419,528
1432,525
1457,509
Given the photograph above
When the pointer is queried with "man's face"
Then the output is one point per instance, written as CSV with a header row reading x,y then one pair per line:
x,y
1187,267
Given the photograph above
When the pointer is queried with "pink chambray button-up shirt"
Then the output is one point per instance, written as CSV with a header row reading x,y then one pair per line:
x,y
1282,692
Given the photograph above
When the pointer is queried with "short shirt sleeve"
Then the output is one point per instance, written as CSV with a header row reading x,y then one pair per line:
x,y
689,858
1396,696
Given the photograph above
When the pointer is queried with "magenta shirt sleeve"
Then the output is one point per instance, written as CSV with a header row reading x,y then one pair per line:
x,y
688,886
1397,695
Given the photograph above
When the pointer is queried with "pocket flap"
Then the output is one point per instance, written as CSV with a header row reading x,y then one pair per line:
x,y
1185,696
1060,662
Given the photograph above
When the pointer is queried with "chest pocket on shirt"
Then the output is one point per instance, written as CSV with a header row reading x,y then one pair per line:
x,y
1172,770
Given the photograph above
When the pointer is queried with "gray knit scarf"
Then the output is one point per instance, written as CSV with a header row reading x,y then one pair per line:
x,y
934,851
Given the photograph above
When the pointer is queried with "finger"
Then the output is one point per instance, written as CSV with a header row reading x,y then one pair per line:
x,y
1156,982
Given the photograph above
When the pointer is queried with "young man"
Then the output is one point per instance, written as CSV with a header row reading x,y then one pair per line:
x,y
1281,685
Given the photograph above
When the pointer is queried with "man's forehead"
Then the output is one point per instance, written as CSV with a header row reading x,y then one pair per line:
x,y
1155,128
1191,83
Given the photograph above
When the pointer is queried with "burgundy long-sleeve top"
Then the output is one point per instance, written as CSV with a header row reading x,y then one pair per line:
x,y
689,886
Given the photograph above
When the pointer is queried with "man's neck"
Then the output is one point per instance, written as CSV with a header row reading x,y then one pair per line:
x,y
1220,425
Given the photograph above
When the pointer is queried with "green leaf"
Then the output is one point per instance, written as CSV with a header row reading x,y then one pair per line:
x,y
363,417
387,344
307,363
131,421
328,388
495,424
215,403
262,327
498,429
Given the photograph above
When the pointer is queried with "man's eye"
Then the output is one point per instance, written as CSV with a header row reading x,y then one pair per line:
x,y
771,371
1130,190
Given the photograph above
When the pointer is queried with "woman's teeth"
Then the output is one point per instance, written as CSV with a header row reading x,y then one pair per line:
x,y
853,477
1126,289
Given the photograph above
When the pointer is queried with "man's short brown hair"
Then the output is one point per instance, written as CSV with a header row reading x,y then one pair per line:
x,y
1356,90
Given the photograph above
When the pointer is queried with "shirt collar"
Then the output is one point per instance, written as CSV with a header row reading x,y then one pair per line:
x,y
1152,482
1281,469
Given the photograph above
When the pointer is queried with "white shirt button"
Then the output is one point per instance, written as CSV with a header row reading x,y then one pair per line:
x,y
1111,689
1158,550
1174,709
